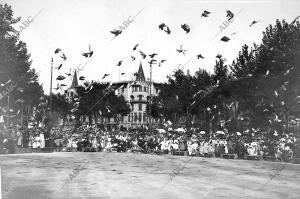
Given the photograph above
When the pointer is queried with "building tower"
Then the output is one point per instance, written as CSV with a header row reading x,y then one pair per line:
x,y
71,92
140,74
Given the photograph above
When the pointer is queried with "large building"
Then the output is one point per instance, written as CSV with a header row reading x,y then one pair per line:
x,y
136,93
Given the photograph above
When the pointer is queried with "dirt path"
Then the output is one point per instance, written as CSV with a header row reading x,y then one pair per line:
x,y
127,175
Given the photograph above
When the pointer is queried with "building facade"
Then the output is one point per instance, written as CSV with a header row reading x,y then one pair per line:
x,y
137,94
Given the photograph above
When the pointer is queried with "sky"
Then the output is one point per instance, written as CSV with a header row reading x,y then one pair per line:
x,y
73,25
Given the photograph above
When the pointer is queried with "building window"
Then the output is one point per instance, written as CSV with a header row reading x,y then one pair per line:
x,y
129,117
145,89
140,97
134,89
140,117
140,88
135,117
145,117
140,107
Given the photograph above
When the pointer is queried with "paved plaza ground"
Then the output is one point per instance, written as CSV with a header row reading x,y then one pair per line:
x,y
128,175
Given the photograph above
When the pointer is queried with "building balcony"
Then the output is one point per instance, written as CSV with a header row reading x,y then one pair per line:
x,y
140,92
138,101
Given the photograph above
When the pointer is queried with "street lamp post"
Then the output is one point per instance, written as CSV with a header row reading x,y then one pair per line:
x,y
22,114
8,110
50,94
150,92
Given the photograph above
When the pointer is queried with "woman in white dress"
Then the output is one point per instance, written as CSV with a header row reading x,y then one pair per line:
x,y
189,147
35,141
194,147
19,139
30,140
94,142
42,140
108,146
201,148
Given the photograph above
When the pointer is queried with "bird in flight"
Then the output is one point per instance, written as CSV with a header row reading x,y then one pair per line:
x,y
205,13
219,56
186,28
132,58
167,30
162,26
135,47
267,73
143,54
60,77
181,50
88,54
57,50
161,61
253,22
105,75
58,67
288,71
200,56
116,32
152,61
152,55
64,57
81,78
229,15
119,63
123,73
225,39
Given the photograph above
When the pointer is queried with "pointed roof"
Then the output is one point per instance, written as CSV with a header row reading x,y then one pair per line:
x,y
140,74
75,81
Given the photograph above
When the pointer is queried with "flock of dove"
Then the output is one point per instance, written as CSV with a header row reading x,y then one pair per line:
x,y
152,57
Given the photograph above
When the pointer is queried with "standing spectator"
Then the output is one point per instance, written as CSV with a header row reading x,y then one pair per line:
x,y
42,140
19,138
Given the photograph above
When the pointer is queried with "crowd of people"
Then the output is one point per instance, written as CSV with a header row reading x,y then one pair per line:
x,y
194,141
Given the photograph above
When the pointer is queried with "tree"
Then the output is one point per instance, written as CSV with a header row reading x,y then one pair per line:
x,y
15,74
99,100
61,106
